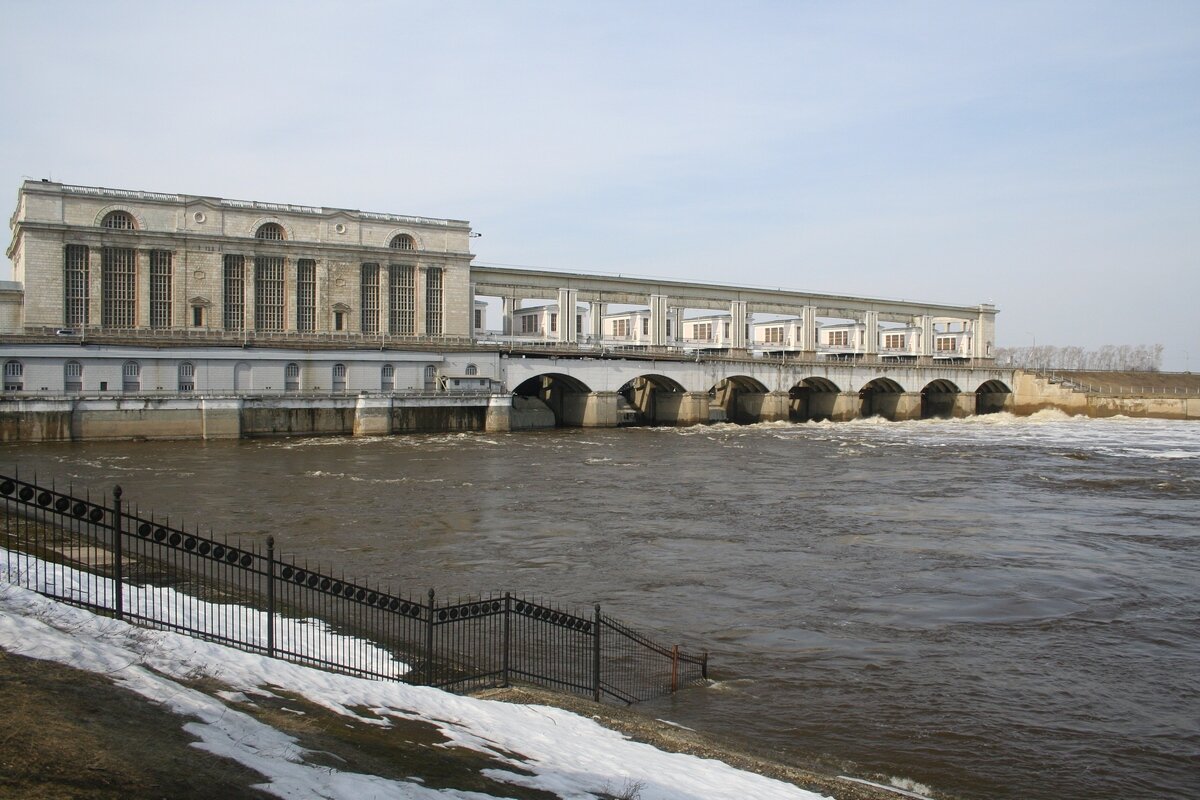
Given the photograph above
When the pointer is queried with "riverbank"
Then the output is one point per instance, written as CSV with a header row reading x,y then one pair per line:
x,y
97,708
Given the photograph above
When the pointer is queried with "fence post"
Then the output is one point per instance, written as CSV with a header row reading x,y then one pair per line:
x,y
270,596
704,665
507,636
674,669
119,595
429,644
596,658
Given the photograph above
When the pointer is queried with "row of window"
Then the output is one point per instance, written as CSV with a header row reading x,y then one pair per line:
x,y
118,287
131,377
271,231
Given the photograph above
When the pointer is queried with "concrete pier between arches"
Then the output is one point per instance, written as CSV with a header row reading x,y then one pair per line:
x,y
590,410
682,408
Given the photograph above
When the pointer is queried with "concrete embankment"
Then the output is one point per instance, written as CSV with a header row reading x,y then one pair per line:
x,y
97,418
1109,394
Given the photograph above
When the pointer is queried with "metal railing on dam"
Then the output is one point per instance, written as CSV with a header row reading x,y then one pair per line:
x,y
99,554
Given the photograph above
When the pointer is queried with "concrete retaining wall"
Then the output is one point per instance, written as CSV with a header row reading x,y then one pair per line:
x,y
1032,394
86,419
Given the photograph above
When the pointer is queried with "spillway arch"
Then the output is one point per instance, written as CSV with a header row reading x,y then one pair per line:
x,y
651,399
813,399
734,395
939,399
880,397
992,397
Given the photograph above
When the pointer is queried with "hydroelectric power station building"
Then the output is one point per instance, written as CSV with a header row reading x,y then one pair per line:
x,y
144,314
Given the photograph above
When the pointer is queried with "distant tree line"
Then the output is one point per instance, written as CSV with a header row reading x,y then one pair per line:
x,y
1119,357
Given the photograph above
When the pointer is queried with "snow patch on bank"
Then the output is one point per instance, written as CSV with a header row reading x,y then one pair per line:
x,y
569,755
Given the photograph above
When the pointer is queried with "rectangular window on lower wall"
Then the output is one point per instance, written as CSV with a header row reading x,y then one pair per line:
x,y
947,344
433,301
234,293
118,287
306,295
160,289
369,297
893,341
839,338
75,287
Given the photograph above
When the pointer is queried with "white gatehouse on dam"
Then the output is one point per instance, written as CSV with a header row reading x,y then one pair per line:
x,y
144,314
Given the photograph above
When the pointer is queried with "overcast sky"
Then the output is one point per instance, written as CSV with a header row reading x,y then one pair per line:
x,y
1042,156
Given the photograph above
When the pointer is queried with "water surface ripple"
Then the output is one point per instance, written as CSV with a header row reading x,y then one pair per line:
x,y
994,607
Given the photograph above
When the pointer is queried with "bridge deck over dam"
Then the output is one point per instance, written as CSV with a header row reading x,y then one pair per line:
x,y
607,390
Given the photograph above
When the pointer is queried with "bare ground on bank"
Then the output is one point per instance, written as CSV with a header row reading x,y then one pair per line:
x,y
75,734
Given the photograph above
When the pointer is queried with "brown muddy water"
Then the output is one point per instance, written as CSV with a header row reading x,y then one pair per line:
x,y
989,607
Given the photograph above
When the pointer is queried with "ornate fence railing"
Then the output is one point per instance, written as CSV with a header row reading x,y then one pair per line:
x,y
98,553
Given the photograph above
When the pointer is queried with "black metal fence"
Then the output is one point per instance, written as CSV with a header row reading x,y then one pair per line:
x,y
100,554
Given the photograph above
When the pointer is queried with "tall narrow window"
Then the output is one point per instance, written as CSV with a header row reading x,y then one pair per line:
x,y
433,301
187,377
387,378
14,376
160,289
118,287
131,377
306,295
235,293
430,378
268,293
291,377
369,298
73,376
401,300
339,377
75,286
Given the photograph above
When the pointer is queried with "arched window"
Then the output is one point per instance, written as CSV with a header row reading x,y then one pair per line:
x,y
187,377
402,241
339,377
131,377
14,376
430,378
387,378
73,376
472,369
119,220
270,230
291,378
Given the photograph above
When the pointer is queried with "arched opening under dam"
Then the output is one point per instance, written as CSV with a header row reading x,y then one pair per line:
x,y
738,398
939,400
813,400
652,400
881,398
553,393
992,397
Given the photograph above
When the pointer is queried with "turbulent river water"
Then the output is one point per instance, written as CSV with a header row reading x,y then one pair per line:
x,y
989,607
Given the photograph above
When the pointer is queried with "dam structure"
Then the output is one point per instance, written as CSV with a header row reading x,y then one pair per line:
x,y
138,314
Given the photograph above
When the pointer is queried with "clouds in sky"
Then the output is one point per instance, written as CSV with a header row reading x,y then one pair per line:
x,y
1039,155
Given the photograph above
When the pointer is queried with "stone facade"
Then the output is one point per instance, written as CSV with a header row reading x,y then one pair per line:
x,y
92,258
